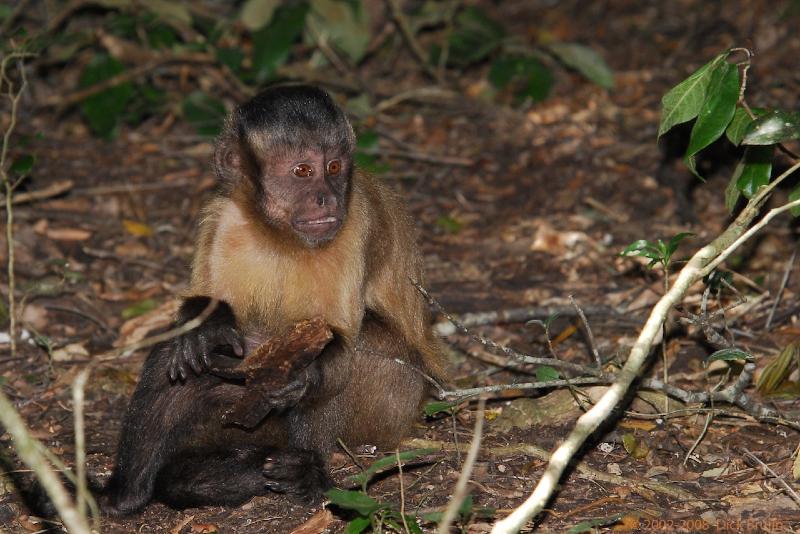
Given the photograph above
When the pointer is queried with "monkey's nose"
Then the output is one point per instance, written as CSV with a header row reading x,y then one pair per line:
x,y
320,199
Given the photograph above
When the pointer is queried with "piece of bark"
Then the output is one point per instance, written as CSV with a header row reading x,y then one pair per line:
x,y
271,368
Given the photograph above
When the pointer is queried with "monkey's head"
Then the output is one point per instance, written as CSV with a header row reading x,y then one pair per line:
x,y
288,152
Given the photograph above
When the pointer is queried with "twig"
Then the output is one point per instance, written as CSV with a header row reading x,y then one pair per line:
x,y
153,340
491,345
421,156
52,190
460,491
784,281
413,45
462,394
589,335
768,470
518,315
28,450
131,188
10,185
402,490
74,97
83,496
419,94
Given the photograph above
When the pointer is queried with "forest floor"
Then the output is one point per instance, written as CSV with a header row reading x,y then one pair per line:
x,y
536,210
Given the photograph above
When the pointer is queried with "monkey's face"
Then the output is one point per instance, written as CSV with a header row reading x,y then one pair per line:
x,y
306,191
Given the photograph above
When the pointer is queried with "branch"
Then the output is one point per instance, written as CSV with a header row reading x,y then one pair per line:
x,y
692,272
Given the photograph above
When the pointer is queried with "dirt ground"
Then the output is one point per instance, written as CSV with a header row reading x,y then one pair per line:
x,y
537,211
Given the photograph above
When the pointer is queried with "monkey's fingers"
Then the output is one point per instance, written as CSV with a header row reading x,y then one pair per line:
x,y
198,355
232,338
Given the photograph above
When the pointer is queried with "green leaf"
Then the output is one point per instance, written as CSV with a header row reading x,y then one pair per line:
x,y
389,462
683,102
272,43
449,224
545,373
22,164
529,73
344,24
590,525
231,57
354,500
358,525
775,127
795,195
139,308
753,170
474,37
367,140
103,110
586,61
717,109
465,510
256,14
673,243
732,193
728,355
203,112
432,408
740,124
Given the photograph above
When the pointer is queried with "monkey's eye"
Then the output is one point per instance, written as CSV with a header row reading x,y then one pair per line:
x,y
334,166
303,170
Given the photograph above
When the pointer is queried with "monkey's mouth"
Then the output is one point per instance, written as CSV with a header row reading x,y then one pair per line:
x,y
318,227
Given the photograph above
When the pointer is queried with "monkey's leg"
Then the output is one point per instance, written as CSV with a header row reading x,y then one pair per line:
x,y
225,477
163,421
365,396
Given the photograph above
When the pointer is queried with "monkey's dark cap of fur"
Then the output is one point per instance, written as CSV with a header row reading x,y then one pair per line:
x,y
296,116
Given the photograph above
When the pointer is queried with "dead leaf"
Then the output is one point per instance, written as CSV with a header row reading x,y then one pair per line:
x,y
204,528
137,228
68,234
177,528
139,327
68,353
316,524
554,408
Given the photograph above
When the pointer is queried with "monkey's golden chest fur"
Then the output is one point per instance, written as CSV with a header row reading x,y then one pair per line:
x,y
270,289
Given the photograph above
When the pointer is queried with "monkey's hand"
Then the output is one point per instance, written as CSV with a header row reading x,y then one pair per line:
x,y
194,349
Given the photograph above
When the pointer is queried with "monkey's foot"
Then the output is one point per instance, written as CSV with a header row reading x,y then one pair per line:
x,y
297,472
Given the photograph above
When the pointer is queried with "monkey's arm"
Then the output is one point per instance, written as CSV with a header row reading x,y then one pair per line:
x,y
193,350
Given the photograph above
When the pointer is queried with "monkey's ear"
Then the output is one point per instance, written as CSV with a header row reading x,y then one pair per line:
x,y
227,159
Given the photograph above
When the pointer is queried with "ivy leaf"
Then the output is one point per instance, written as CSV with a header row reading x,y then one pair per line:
x,y
741,123
545,373
716,112
586,61
272,43
682,103
139,308
389,462
358,525
533,77
474,37
204,112
354,500
432,408
22,165
753,170
776,127
729,355
104,109
256,14
344,24
795,195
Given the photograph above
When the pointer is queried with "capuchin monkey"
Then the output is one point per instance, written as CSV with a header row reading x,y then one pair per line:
x,y
294,232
